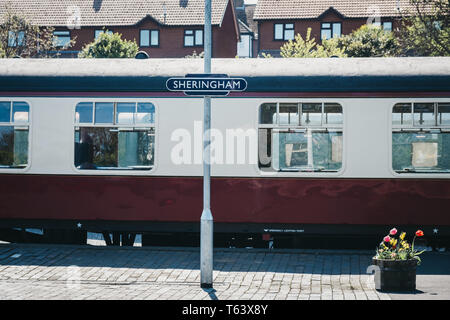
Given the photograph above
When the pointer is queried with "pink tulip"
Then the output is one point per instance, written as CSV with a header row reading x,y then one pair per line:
x,y
387,239
393,232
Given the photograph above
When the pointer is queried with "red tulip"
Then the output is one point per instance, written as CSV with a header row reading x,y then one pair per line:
x,y
419,233
393,232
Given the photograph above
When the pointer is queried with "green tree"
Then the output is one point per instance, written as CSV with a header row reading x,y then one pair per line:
x,y
20,38
368,41
426,30
308,48
110,45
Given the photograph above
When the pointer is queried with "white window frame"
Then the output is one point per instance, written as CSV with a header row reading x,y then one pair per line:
x,y
414,125
418,128
302,128
20,125
119,127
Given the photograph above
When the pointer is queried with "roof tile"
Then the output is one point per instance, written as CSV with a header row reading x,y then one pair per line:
x,y
310,9
115,12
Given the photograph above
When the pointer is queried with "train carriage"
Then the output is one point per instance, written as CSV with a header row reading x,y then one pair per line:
x,y
311,147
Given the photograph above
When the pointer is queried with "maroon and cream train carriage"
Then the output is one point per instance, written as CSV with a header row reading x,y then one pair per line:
x,y
312,147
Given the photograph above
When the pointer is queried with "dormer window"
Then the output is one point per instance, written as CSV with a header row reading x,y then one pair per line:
x,y
330,30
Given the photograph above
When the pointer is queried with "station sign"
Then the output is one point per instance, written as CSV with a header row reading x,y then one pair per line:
x,y
206,84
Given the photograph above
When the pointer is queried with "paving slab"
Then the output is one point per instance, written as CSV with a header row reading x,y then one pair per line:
x,y
49,272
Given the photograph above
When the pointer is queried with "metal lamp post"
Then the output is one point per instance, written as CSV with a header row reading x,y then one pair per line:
x,y
206,220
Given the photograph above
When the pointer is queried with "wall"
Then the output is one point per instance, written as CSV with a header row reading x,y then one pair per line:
x,y
266,28
171,39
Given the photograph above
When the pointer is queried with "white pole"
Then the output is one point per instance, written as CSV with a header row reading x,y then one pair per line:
x,y
206,220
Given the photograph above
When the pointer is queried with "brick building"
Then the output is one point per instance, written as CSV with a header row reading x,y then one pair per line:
x,y
280,20
163,28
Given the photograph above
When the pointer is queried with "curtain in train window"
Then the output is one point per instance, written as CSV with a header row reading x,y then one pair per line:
x,y
309,151
14,134
421,152
114,136
300,137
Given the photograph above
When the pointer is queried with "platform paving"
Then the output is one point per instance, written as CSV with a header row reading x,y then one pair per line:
x,y
43,272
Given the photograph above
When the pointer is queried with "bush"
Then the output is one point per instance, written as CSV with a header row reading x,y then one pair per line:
x,y
369,41
110,46
308,48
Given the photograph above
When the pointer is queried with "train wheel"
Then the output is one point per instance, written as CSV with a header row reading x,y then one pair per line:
x,y
123,239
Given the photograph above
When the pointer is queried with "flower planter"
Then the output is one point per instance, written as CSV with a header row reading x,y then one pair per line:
x,y
395,275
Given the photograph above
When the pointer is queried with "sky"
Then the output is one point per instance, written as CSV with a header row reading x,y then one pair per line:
x,y
250,1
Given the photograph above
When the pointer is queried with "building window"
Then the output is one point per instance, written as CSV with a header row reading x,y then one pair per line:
x,y
14,129
330,30
284,31
114,135
61,38
386,25
16,38
421,137
98,32
193,38
149,38
300,137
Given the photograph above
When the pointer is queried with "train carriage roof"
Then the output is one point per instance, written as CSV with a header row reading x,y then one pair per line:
x,y
262,75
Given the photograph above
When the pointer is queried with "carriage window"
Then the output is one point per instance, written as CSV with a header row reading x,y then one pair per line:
x,y
421,137
84,112
268,113
424,114
332,114
145,113
104,112
288,114
125,113
300,137
444,114
14,129
312,114
401,115
112,136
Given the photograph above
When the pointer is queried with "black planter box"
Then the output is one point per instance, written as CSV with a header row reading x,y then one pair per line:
x,y
395,275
